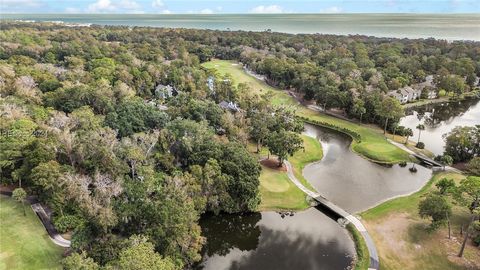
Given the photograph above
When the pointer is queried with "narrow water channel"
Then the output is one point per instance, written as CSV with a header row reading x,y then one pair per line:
x,y
440,119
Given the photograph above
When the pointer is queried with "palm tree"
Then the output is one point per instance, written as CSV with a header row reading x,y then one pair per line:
x,y
394,126
420,127
408,133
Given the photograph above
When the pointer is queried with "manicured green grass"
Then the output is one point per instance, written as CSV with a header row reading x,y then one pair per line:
x,y
373,144
279,193
407,203
363,257
24,242
312,152
276,189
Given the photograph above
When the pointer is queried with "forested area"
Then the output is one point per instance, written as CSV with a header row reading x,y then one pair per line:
x,y
89,126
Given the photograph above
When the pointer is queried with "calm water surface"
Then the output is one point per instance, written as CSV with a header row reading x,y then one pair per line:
x,y
352,182
307,240
441,26
440,119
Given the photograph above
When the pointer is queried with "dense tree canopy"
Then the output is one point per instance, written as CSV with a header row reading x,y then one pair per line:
x,y
130,169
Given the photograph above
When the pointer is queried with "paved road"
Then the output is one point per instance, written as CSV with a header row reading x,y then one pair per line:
x,y
372,250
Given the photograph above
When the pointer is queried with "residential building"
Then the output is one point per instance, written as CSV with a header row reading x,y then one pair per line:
x,y
165,91
231,106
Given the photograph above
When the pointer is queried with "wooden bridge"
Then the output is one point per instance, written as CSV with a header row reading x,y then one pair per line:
x,y
427,160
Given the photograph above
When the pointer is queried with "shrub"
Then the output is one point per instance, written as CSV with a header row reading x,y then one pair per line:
x,y
476,240
442,93
66,223
420,145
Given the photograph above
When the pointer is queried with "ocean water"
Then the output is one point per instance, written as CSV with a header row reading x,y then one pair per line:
x,y
439,26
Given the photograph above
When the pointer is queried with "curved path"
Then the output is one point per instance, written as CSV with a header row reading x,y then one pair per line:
x,y
406,149
52,232
45,219
372,250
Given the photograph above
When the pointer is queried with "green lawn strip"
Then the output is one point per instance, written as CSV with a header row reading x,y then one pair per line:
x,y
312,152
371,144
279,193
24,242
407,203
363,256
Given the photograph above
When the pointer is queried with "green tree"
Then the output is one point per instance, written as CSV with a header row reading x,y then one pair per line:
x,y
462,143
141,255
284,144
79,261
408,132
389,108
473,166
469,195
259,128
435,207
445,186
133,116
20,195
359,108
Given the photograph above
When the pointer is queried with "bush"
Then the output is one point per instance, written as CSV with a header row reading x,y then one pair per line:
x,y
66,223
476,240
420,145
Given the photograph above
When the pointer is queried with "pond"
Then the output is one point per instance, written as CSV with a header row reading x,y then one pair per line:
x,y
309,239
352,182
306,240
440,119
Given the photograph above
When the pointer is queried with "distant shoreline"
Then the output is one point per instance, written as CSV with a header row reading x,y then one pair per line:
x,y
445,26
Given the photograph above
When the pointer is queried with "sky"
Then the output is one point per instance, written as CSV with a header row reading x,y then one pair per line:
x,y
239,6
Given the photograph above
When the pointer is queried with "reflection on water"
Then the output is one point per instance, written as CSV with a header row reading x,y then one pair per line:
x,y
306,240
351,181
440,119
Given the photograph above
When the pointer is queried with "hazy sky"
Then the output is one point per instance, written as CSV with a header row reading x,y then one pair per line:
x,y
239,6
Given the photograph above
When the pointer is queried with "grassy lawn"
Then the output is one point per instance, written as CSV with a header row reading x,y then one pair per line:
x,y
276,189
411,145
279,193
403,241
312,152
373,144
24,243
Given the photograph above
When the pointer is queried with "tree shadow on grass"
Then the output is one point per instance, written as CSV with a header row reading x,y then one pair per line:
x,y
419,232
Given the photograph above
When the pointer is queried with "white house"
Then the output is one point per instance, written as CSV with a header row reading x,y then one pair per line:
x,y
405,94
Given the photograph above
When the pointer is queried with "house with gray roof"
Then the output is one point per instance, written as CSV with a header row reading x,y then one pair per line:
x,y
231,106
165,91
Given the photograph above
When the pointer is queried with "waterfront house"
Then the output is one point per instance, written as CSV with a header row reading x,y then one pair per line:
x,y
413,94
401,96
